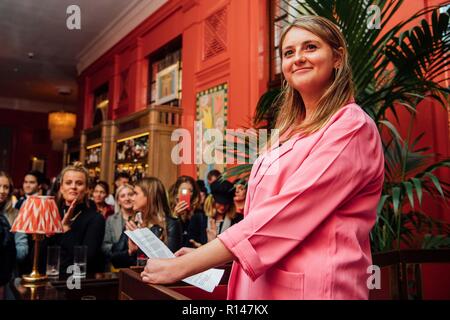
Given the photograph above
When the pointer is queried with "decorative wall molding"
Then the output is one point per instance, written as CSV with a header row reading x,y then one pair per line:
x,y
131,17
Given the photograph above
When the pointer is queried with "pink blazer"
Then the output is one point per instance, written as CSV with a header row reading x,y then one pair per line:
x,y
310,206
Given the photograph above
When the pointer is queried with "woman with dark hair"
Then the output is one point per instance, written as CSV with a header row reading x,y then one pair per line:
x,y
185,186
312,198
83,225
99,194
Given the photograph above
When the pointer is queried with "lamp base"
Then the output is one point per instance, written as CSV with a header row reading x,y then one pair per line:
x,y
34,277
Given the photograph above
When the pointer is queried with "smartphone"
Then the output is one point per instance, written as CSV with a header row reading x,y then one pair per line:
x,y
186,196
138,219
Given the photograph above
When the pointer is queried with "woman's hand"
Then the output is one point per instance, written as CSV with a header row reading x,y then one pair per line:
x,y
131,226
211,232
195,243
132,247
68,216
184,251
162,271
180,207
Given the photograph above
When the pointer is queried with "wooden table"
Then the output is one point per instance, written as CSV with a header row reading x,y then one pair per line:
x,y
99,286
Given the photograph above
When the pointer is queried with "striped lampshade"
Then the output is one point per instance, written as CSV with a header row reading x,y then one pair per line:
x,y
39,214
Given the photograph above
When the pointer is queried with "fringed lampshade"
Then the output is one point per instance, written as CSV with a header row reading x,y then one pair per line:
x,y
39,216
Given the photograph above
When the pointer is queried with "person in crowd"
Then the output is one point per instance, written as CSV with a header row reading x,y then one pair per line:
x,y
203,192
219,215
115,225
312,196
150,200
183,209
22,241
32,185
7,239
122,178
99,194
83,225
212,176
240,192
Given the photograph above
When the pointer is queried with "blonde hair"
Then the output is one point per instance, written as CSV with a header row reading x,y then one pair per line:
x,y
78,167
292,112
119,190
7,207
157,207
210,210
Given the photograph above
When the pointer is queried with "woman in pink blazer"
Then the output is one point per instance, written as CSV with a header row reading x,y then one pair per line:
x,y
311,200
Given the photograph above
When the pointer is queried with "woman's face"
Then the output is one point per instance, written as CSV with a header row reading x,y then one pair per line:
x,y
4,189
239,193
125,198
140,200
221,208
99,195
73,186
307,61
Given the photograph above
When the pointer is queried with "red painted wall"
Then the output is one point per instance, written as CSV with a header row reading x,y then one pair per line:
x,y
243,65
30,138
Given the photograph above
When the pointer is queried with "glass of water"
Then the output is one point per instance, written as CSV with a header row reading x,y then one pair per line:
x,y
79,261
53,260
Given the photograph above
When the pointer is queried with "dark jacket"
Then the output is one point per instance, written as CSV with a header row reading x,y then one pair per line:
x,y
7,251
87,229
119,251
199,224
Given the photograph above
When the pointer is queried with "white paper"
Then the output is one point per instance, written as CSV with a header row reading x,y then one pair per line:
x,y
155,248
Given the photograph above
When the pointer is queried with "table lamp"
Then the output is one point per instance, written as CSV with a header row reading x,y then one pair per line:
x,y
38,216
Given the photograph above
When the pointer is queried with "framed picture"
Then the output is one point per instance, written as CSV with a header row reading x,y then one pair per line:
x,y
167,84
212,112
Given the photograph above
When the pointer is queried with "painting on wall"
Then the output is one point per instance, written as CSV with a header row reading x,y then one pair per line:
x,y
212,109
167,84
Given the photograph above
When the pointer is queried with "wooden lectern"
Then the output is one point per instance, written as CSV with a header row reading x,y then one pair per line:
x,y
131,287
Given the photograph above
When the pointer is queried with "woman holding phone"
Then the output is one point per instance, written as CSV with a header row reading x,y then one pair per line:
x,y
184,198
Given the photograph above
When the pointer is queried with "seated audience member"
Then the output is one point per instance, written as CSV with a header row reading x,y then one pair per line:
x,y
115,225
122,178
22,241
32,186
7,242
182,209
212,176
240,192
150,200
99,194
203,192
83,225
220,214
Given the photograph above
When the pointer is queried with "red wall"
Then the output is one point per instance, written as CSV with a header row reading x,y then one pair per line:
x,y
243,65
30,138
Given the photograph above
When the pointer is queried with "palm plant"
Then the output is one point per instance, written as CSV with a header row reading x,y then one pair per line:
x,y
398,69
